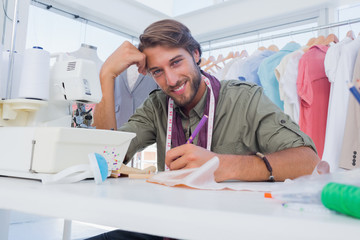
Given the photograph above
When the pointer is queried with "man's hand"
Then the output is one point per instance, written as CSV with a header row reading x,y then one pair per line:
x,y
187,156
123,57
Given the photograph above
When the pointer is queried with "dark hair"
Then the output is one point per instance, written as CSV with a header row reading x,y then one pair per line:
x,y
169,33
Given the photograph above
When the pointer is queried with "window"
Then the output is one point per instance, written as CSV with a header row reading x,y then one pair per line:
x,y
348,13
57,33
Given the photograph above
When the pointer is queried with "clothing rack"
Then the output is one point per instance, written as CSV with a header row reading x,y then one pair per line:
x,y
312,29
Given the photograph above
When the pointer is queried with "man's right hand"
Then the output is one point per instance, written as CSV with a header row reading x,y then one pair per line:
x,y
122,58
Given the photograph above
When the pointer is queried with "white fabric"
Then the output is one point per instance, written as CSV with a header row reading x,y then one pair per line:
x,y
331,61
279,72
132,75
288,82
69,175
203,178
234,70
338,103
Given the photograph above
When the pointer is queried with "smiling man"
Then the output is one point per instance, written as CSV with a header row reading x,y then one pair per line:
x,y
242,120
253,139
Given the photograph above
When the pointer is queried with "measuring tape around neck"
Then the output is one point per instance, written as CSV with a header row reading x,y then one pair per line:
x,y
210,120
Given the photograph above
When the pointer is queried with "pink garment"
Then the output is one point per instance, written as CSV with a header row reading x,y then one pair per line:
x,y
313,88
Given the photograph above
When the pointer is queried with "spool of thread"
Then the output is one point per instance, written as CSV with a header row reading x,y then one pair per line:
x,y
342,198
35,75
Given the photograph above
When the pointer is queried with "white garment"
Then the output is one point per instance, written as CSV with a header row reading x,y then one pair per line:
x,y
331,63
234,70
221,74
132,76
338,102
287,77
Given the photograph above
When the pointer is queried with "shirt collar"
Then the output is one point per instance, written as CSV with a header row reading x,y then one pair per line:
x,y
321,47
291,46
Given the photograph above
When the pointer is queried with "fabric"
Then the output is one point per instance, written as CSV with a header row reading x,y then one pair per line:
x,y
287,77
132,75
178,137
246,121
266,73
234,69
313,90
350,153
221,74
331,62
249,70
339,103
204,178
126,99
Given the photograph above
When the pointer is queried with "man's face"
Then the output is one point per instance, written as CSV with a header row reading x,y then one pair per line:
x,y
176,72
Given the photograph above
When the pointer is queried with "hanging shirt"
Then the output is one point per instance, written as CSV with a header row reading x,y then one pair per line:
x,y
132,75
331,63
128,99
233,71
313,88
339,103
287,73
267,75
249,70
350,153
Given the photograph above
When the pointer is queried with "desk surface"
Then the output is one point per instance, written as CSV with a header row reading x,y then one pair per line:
x,y
135,205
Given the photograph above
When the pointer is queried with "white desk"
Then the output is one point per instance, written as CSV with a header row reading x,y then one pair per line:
x,y
135,205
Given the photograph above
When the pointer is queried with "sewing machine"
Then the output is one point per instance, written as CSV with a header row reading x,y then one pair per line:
x,y
36,135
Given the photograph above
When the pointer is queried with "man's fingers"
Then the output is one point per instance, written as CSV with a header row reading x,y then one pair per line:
x,y
177,164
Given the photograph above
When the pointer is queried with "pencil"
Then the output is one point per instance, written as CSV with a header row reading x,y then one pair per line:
x,y
198,128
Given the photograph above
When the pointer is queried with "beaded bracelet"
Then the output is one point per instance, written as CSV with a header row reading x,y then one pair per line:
x,y
268,166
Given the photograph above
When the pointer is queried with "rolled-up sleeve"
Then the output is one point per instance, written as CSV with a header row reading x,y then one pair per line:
x,y
274,129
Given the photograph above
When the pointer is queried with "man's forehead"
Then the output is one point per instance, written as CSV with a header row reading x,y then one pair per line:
x,y
156,55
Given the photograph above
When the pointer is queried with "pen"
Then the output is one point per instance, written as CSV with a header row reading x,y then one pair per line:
x,y
197,129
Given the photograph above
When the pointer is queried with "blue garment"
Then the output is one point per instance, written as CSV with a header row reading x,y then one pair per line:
x,y
249,70
127,100
267,76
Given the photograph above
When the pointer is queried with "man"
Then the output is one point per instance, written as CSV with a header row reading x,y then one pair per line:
x,y
242,120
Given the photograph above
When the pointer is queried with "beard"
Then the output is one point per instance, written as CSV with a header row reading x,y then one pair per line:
x,y
194,81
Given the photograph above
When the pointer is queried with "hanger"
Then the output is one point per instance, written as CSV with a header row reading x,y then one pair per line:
x,y
230,55
319,40
212,63
210,60
311,41
219,58
331,38
351,34
244,54
273,47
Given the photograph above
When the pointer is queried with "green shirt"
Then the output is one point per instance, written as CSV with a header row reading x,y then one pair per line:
x,y
245,122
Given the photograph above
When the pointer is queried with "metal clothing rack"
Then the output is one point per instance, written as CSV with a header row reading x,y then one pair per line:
x,y
305,30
